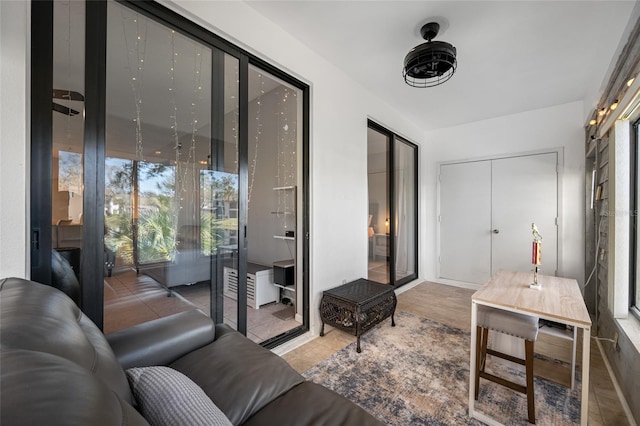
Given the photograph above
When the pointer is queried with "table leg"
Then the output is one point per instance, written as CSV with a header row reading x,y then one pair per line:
x,y
573,357
322,329
472,360
358,320
586,348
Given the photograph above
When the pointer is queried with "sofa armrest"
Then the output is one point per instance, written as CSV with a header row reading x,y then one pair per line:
x,y
222,329
162,341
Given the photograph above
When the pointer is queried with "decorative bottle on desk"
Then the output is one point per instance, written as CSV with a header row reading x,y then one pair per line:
x,y
536,255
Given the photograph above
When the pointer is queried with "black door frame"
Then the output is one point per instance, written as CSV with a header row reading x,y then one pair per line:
x,y
633,219
92,267
41,139
94,152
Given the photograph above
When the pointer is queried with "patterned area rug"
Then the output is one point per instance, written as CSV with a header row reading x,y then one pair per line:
x,y
417,373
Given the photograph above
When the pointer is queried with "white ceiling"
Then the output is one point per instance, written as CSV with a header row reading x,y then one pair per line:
x,y
513,56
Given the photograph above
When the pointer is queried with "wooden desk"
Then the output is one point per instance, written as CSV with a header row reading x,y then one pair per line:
x,y
559,299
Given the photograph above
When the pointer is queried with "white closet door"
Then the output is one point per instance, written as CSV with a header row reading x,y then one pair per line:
x,y
465,221
524,191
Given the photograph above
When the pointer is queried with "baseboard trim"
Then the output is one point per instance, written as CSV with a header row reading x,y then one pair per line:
x,y
409,286
454,283
623,401
293,343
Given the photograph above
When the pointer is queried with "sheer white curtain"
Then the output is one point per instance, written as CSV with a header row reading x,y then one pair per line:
x,y
404,223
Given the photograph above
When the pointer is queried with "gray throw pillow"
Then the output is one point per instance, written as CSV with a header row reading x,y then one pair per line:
x,y
167,397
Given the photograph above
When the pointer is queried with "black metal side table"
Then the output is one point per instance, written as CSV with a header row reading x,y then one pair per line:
x,y
357,307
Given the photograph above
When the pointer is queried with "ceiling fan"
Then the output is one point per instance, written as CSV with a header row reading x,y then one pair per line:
x,y
68,95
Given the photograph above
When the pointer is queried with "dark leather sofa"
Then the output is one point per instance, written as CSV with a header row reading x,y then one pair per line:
x,y
57,368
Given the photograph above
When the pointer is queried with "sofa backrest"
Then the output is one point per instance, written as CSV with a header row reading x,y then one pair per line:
x,y
39,388
64,277
43,323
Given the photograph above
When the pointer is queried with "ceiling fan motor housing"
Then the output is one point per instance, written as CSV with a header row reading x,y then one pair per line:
x,y
430,59
430,63
430,31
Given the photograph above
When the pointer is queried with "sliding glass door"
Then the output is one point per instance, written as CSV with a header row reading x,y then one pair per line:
x,y
392,164
169,183
274,178
181,168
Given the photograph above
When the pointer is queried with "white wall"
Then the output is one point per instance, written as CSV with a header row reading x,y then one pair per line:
x,y
559,126
14,95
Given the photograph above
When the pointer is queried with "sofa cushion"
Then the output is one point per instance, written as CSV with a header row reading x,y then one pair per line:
x,y
40,388
238,375
163,340
40,318
167,397
312,404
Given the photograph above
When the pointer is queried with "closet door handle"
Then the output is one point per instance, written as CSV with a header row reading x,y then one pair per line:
x,y
496,231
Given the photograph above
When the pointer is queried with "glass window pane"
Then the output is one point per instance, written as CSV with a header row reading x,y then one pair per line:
x,y
391,227
405,206
158,146
378,226
219,207
68,131
274,249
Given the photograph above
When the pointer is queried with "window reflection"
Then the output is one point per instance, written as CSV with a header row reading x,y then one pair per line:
x,y
139,206
218,211
171,166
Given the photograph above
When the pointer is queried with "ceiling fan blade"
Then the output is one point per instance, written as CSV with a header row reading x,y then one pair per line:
x,y
67,94
64,110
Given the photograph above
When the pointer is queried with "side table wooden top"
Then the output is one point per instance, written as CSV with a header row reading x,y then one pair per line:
x,y
558,299
359,291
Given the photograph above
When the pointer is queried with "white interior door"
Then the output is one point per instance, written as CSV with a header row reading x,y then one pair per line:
x,y
524,191
486,211
465,221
